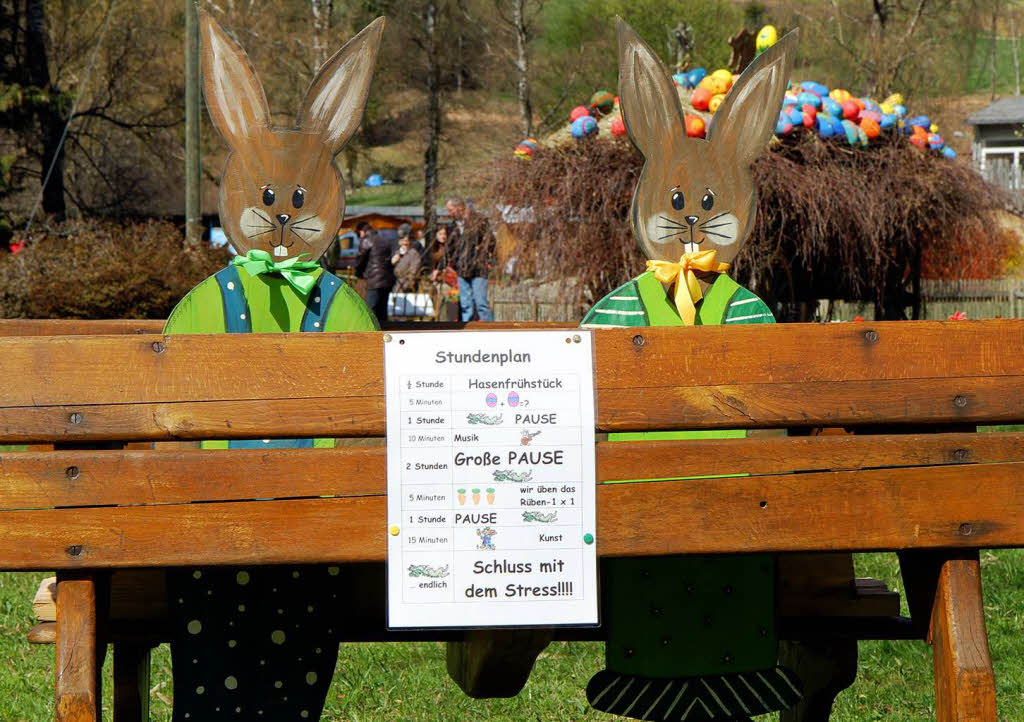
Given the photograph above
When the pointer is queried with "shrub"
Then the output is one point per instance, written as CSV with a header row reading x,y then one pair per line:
x,y
103,269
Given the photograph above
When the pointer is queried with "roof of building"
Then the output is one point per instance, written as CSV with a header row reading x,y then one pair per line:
x,y
1001,112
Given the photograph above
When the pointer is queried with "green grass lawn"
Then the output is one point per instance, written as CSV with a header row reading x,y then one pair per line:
x,y
408,681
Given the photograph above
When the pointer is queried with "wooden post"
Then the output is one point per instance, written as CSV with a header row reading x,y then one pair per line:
x,y
964,683
131,682
77,691
491,663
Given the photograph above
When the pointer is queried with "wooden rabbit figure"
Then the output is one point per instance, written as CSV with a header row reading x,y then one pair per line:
x,y
257,643
692,637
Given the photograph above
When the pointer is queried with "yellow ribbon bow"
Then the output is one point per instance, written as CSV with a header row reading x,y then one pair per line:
x,y
688,293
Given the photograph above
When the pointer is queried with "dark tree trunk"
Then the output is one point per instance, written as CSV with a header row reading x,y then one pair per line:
x,y
50,115
523,65
430,175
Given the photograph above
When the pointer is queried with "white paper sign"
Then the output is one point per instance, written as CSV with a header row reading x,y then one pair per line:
x,y
491,479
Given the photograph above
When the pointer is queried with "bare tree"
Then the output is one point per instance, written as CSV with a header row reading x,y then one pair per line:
x,y
893,38
518,17
322,10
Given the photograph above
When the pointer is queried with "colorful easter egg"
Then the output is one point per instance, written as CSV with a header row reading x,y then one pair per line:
x,y
766,37
850,110
699,98
900,111
603,101
578,112
862,137
784,126
933,128
529,143
877,117
618,128
919,121
871,105
523,152
888,121
716,85
723,73
935,141
679,79
851,130
832,107
796,117
812,87
716,100
513,399
839,95
790,98
885,107
870,127
827,125
694,77
583,126
810,99
948,152
695,127
809,115
491,400
919,137
894,99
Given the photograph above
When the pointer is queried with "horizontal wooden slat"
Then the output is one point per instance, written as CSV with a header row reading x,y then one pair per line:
x,y
77,327
34,480
908,508
246,386
117,327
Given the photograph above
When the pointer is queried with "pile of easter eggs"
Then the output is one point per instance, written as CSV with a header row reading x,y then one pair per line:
x,y
837,113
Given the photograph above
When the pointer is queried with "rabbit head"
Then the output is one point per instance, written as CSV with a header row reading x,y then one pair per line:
x,y
696,194
281,191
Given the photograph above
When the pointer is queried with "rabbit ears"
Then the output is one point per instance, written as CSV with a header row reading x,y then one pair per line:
x,y
743,123
333,105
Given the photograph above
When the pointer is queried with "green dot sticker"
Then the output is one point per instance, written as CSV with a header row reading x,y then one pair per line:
x,y
588,538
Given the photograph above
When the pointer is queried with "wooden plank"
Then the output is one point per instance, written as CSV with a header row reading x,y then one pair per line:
x,y
127,369
96,478
908,508
106,327
78,327
964,682
77,690
912,402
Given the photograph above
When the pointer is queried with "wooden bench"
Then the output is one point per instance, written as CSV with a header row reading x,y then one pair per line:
x,y
914,477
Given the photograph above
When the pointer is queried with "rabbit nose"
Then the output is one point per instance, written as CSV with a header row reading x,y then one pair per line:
x,y
282,218
689,219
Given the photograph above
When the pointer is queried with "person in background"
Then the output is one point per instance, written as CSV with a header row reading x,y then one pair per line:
x,y
470,250
407,261
439,253
374,265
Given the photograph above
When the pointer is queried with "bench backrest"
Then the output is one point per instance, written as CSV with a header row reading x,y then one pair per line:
x,y
915,475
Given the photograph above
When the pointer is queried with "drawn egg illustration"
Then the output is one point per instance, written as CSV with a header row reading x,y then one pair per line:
x,y
513,399
492,400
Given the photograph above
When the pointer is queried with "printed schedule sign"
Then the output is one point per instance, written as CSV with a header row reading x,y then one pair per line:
x,y
491,479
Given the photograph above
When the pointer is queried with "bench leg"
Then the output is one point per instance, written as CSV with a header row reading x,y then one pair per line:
x,y
964,683
826,668
131,682
495,663
77,690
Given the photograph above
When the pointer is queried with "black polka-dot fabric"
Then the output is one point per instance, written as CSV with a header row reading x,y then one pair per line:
x,y
252,643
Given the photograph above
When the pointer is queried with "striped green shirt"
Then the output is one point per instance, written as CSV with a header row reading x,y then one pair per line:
x,y
643,302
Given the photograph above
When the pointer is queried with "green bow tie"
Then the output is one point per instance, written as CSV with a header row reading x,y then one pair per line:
x,y
297,272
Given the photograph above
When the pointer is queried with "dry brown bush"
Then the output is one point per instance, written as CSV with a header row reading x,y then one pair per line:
x,y
832,221
103,269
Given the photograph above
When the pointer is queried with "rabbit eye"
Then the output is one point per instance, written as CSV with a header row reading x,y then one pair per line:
x,y
677,200
707,202
298,198
268,196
